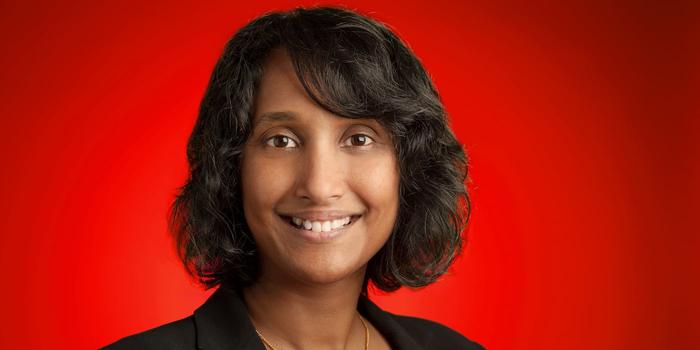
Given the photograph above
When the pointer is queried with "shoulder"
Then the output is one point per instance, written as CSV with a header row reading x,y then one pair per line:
x,y
433,335
178,334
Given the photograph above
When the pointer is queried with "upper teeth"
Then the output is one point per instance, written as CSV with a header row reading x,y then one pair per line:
x,y
321,226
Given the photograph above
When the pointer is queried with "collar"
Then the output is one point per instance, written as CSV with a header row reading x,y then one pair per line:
x,y
222,322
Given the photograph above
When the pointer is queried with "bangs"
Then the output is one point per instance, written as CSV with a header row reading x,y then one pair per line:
x,y
347,68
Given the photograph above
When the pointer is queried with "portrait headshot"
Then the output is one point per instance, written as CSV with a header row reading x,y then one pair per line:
x,y
321,161
349,175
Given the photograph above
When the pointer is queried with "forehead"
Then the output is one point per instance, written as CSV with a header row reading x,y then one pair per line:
x,y
280,96
279,87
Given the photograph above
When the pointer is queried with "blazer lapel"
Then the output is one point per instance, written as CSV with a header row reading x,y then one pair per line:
x,y
222,323
397,336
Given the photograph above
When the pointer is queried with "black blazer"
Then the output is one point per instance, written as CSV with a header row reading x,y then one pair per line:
x,y
222,322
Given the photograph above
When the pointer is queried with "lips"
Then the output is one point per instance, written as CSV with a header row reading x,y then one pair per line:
x,y
303,226
319,236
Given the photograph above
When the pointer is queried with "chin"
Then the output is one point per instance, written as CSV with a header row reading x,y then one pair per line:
x,y
325,276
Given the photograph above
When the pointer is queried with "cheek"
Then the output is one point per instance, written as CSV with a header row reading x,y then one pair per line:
x,y
377,182
380,178
262,183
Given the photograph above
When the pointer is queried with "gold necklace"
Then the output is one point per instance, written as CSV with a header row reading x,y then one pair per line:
x,y
267,343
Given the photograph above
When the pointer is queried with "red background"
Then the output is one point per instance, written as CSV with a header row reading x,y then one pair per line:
x,y
581,121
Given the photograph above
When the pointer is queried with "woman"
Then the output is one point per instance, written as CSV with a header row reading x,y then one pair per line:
x,y
321,160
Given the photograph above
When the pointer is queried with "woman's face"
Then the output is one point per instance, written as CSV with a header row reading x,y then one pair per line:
x,y
302,163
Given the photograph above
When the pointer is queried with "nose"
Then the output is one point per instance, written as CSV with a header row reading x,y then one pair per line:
x,y
321,176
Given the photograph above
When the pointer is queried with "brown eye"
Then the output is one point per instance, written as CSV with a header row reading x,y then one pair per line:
x,y
280,141
359,140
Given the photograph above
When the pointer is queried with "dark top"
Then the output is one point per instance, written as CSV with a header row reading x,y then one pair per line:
x,y
222,322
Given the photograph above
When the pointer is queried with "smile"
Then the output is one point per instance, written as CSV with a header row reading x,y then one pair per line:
x,y
319,231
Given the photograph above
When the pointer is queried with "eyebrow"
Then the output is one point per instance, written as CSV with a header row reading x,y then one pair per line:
x,y
272,117
277,116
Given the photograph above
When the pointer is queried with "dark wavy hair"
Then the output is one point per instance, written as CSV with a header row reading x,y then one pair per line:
x,y
354,67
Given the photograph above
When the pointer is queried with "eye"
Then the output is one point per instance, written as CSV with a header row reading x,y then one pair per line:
x,y
280,141
359,140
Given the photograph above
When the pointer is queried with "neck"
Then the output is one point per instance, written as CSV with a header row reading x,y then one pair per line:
x,y
292,315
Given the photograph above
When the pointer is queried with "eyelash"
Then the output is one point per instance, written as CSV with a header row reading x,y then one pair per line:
x,y
267,141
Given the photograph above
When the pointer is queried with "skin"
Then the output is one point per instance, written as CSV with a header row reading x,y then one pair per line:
x,y
306,296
